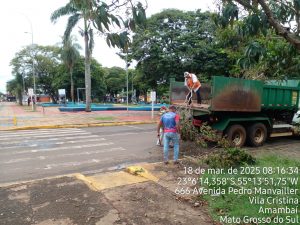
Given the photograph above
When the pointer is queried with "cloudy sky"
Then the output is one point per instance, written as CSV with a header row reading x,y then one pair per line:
x,y
16,18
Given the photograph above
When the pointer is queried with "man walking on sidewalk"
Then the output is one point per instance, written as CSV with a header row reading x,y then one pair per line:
x,y
170,123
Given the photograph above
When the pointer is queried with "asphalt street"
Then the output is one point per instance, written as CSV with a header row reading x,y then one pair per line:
x,y
33,154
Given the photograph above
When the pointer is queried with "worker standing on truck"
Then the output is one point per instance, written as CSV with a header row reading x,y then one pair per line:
x,y
193,84
170,123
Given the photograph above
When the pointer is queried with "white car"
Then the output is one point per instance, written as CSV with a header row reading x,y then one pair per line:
x,y
296,119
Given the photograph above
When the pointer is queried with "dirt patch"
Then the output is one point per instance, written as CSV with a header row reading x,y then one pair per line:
x,y
149,203
110,218
52,202
21,197
56,222
284,146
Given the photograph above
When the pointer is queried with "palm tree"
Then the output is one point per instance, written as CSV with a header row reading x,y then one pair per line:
x,y
70,53
79,9
98,14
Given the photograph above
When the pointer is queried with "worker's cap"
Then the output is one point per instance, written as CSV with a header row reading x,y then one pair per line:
x,y
172,107
186,74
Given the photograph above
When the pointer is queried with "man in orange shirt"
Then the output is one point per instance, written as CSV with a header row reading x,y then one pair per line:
x,y
193,84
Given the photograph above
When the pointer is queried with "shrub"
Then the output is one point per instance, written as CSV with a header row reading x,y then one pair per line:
x,y
229,157
224,157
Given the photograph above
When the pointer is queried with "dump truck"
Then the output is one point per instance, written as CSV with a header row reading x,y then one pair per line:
x,y
243,110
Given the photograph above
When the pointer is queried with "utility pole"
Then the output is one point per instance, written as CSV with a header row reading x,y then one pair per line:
x,y
33,71
131,86
127,79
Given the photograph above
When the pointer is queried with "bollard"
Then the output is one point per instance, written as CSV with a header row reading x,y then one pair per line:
x,y
15,121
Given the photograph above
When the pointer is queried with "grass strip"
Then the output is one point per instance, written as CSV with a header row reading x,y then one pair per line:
x,y
271,172
105,118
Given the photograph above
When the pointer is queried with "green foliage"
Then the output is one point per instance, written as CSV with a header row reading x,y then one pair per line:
x,y
175,41
46,61
115,79
254,24
229,157
102,16
283,17
189,132
15,87
98,88
254,50
225,157
229,13
69,54
52,74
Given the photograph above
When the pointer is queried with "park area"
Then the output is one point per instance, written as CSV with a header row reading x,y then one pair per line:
x,y
20,117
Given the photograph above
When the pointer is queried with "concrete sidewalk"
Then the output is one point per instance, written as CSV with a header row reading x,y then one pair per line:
x,y
144,196
13,116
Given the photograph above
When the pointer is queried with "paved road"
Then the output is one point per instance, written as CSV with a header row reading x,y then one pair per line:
x,y
33,154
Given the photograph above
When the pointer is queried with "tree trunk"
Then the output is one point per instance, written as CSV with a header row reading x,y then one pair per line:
x,y
53,98
87,69
20,97
297,18
282,31
72,84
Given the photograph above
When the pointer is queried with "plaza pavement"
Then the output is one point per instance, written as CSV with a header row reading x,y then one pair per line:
x,y
13,116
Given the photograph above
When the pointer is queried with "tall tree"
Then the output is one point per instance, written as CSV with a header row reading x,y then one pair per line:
x,y
97,78
99,15
283,16
254,48
70,53
115,78
47,62
175,41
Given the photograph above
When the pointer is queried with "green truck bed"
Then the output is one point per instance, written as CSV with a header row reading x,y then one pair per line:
x,y
241,95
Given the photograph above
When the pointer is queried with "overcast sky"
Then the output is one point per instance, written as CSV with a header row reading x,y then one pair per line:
x,y
17,16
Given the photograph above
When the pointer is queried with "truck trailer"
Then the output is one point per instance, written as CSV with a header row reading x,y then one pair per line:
x,y
243,110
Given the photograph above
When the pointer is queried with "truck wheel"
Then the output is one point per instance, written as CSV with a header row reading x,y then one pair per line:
x,y
236,134
257,134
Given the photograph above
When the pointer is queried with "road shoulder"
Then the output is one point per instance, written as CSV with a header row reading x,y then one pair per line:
x,y
69,200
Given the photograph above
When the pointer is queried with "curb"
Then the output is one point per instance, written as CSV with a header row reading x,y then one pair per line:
x,y
79,125
80,176
24,182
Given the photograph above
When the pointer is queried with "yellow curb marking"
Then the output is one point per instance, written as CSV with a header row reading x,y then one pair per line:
x,y
77,125
131,175
110,180
151,167
35,180
15,121
83,178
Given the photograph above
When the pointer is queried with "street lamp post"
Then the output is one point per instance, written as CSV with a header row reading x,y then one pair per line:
x,y
127,80
33,72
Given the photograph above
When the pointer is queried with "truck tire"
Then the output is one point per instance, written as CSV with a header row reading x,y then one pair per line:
x,y
236,134
257,134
